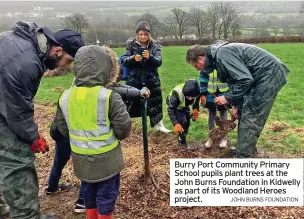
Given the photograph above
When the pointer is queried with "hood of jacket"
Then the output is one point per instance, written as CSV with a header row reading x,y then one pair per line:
x,y
93,66
191,88
33,33
216,45
210,54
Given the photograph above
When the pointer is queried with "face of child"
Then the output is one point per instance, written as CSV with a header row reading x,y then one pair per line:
x,y
190,98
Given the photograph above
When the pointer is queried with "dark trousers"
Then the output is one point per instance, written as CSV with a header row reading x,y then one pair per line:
x,y
183,118
62,156
102,195
253,114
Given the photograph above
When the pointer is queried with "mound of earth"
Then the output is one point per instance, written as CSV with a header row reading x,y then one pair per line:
x,y
140,199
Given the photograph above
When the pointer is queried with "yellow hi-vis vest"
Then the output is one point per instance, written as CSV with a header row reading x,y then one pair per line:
x,y
86,112
182,98
215,84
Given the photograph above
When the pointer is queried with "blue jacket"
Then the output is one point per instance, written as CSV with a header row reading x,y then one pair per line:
x,y
21,69
126,71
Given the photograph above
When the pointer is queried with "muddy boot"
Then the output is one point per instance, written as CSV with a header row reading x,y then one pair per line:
x,y
224,142
48,216
61,188
182,140
4,209
208,144
232,151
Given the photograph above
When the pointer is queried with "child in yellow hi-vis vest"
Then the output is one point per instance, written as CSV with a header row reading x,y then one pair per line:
x,y
95,119
211,87
178,101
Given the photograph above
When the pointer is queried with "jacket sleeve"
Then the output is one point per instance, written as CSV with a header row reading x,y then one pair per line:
x,y
60,123
126,92
155,59
230,63
172,107
56,134
204,79
127,58
119,118
19,85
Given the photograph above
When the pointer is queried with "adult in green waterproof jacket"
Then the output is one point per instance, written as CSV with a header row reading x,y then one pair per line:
x,y
255,77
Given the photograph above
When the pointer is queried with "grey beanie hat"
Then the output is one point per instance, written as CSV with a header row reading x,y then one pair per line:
x,y
144,25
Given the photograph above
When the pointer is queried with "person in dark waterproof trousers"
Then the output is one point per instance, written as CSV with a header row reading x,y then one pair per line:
x,y
255,77
178,101
142,58
25,54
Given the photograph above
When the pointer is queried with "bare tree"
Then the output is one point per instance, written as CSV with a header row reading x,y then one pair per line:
x,y
182,21
199,19
274,24
275,29
172,25
299,28
153,23
236,30
214,14
220,28
77,22
230,17
286,29
263,32
165,30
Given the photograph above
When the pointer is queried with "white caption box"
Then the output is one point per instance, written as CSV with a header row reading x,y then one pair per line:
x,y
236,182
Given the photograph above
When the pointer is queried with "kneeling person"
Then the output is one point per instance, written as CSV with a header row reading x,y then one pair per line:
x,y
178,101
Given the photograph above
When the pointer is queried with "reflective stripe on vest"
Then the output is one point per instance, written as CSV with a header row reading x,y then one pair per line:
x,y
86,112
215,84
179,90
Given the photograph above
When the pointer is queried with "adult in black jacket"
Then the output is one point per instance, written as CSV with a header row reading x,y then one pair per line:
x,y
143,57
25,53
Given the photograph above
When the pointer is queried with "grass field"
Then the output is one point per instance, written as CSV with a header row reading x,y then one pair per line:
x,y
284,131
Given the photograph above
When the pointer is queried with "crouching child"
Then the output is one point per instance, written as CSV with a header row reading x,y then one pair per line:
x,y
178,101
95,119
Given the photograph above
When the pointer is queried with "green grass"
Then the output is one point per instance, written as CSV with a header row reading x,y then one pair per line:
x,y
288,106
46,92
